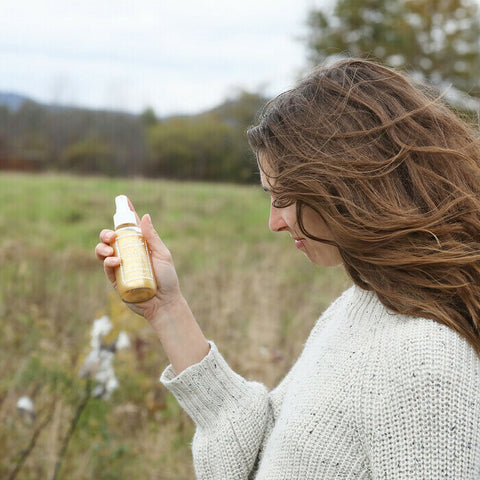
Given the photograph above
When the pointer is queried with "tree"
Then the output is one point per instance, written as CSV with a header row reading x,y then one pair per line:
x,y
195,148
241,108
209,146
148,117
438,40
91,155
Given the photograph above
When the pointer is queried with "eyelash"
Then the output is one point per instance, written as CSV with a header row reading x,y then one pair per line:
x,y
281,204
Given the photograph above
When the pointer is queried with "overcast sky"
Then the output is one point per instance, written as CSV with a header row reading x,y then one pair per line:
x,y
176,56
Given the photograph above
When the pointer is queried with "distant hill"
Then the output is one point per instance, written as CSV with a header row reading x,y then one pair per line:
x,y
13,101
34,135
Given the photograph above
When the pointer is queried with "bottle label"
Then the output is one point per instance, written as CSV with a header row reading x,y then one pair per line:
x,y
132,249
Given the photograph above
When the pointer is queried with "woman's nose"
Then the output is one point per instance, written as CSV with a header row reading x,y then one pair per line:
x,y
276,221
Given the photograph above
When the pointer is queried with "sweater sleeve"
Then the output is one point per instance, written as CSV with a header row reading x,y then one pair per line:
x,y
421,409
231,414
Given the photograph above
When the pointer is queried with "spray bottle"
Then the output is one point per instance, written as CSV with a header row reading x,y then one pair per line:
x,y
134,276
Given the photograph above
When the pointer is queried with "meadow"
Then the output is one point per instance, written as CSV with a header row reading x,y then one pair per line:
x,y
252,292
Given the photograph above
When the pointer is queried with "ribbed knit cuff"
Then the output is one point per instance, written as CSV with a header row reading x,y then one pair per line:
x,y
210,389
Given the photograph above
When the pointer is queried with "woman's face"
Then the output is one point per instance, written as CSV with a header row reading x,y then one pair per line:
x,y
285,220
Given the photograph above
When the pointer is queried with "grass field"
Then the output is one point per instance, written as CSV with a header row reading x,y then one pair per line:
x,y
252,292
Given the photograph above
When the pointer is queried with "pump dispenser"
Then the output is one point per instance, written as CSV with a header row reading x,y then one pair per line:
x,y
134,276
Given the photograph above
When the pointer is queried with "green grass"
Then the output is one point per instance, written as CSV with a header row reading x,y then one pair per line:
x,y
78,206
251,291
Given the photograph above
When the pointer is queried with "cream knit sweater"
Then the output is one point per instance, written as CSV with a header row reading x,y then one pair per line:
x,y
373,395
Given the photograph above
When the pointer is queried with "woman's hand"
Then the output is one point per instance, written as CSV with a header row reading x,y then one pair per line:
x,y
168,290
167,311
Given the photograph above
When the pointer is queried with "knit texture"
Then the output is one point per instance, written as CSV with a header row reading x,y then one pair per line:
x,y
374,395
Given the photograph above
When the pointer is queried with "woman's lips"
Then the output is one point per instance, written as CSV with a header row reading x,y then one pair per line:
x,y
299,242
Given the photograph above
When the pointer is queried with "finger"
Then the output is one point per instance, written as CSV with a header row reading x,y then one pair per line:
x,y
103,250
109,265
154,241
112,262
107,236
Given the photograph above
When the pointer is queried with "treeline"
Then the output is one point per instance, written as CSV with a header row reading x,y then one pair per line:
x,y
437,41
208,146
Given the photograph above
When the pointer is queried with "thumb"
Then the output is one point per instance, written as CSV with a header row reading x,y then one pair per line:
x,y
132,208
155,243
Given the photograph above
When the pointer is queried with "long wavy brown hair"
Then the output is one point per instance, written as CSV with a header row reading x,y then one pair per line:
x,y
395,174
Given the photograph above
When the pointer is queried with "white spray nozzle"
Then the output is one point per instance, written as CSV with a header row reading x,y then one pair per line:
x,y
123,213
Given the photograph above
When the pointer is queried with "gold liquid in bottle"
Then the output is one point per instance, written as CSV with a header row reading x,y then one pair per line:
x,y
134,276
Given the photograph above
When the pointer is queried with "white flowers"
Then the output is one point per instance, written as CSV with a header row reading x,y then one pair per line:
x,y
99,362
26,409
122,341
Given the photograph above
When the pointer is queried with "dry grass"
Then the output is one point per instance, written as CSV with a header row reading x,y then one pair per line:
x,y
252,293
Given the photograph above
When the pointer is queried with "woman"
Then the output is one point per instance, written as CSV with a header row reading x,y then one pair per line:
x,y
367,170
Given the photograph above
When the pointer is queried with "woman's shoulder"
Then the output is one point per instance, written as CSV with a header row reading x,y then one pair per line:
x,y
427,337
392,341
418,365
418,398
416,347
